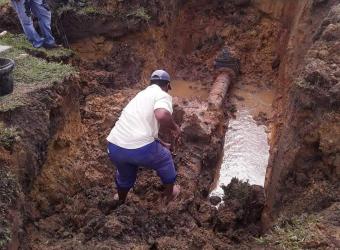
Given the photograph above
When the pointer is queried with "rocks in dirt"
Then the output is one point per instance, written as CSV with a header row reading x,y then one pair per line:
x,y
107,205
94,226
330,27
318,3
261,118
49,225
331,33
194,132
243,205
225,219
301,179
318,79
112,227
215,200
242,3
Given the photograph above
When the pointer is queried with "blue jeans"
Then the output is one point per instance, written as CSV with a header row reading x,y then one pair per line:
x,y
153,156
44,19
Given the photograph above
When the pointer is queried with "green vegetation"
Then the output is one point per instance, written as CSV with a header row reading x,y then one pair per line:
x,y
5,233
8,194
91,10
3,2
140,13
33,70
11,102
7,136
293,233
84,9
19,42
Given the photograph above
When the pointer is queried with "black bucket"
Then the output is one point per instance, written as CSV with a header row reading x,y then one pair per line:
x,y
6,78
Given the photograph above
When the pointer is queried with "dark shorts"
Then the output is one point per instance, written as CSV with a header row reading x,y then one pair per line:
x,y
153,156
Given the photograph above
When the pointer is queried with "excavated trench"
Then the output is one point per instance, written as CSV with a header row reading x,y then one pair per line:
x,y
121,68
69,202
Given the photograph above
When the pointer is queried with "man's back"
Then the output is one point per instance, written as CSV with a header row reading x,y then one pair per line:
x,y
137,125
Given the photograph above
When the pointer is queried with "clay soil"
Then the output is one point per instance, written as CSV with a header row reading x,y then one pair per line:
x,y
67,201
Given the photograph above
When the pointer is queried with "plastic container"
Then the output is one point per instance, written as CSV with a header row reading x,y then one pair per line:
x,y
6,78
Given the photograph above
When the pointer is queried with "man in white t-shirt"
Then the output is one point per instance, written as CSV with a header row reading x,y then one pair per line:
x,y
133,142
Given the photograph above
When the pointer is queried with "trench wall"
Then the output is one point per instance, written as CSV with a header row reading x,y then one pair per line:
x,y
295,157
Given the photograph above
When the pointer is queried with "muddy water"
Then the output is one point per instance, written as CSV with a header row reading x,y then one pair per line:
x,y
246,149
189,89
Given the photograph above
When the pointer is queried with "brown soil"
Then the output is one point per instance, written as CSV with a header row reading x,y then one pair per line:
x,y
65,179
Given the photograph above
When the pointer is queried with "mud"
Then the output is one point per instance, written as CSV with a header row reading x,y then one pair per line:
x,y
9,19
66,180
302,165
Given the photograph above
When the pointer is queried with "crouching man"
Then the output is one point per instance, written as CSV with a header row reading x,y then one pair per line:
x,y
133,141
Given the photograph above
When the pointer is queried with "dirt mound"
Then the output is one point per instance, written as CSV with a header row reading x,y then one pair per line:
x,y
9,20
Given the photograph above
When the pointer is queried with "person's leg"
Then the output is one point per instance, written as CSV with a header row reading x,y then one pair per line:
x,y
159,158
41,10
27,24
126,173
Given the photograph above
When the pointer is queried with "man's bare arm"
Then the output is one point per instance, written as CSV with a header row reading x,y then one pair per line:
x,y
165,119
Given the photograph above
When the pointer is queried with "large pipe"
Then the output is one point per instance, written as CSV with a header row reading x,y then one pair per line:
x,y
229,68
219,90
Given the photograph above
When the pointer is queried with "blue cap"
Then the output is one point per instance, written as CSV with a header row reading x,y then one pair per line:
x,y
160,75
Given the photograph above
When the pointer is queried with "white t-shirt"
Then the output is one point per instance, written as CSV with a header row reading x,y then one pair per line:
x,y
137,125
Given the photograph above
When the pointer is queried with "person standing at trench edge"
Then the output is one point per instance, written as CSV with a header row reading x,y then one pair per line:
x,y
40,9
134,142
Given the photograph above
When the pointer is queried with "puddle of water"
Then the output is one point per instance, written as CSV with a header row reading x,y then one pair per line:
x,y
255,100
188,89
246,149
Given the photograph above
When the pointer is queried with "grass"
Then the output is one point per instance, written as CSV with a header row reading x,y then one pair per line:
x,y
11,102
291,233
140,13
5,234
3,2
91,10
33,70
20,42
8,195
83,10
8,135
